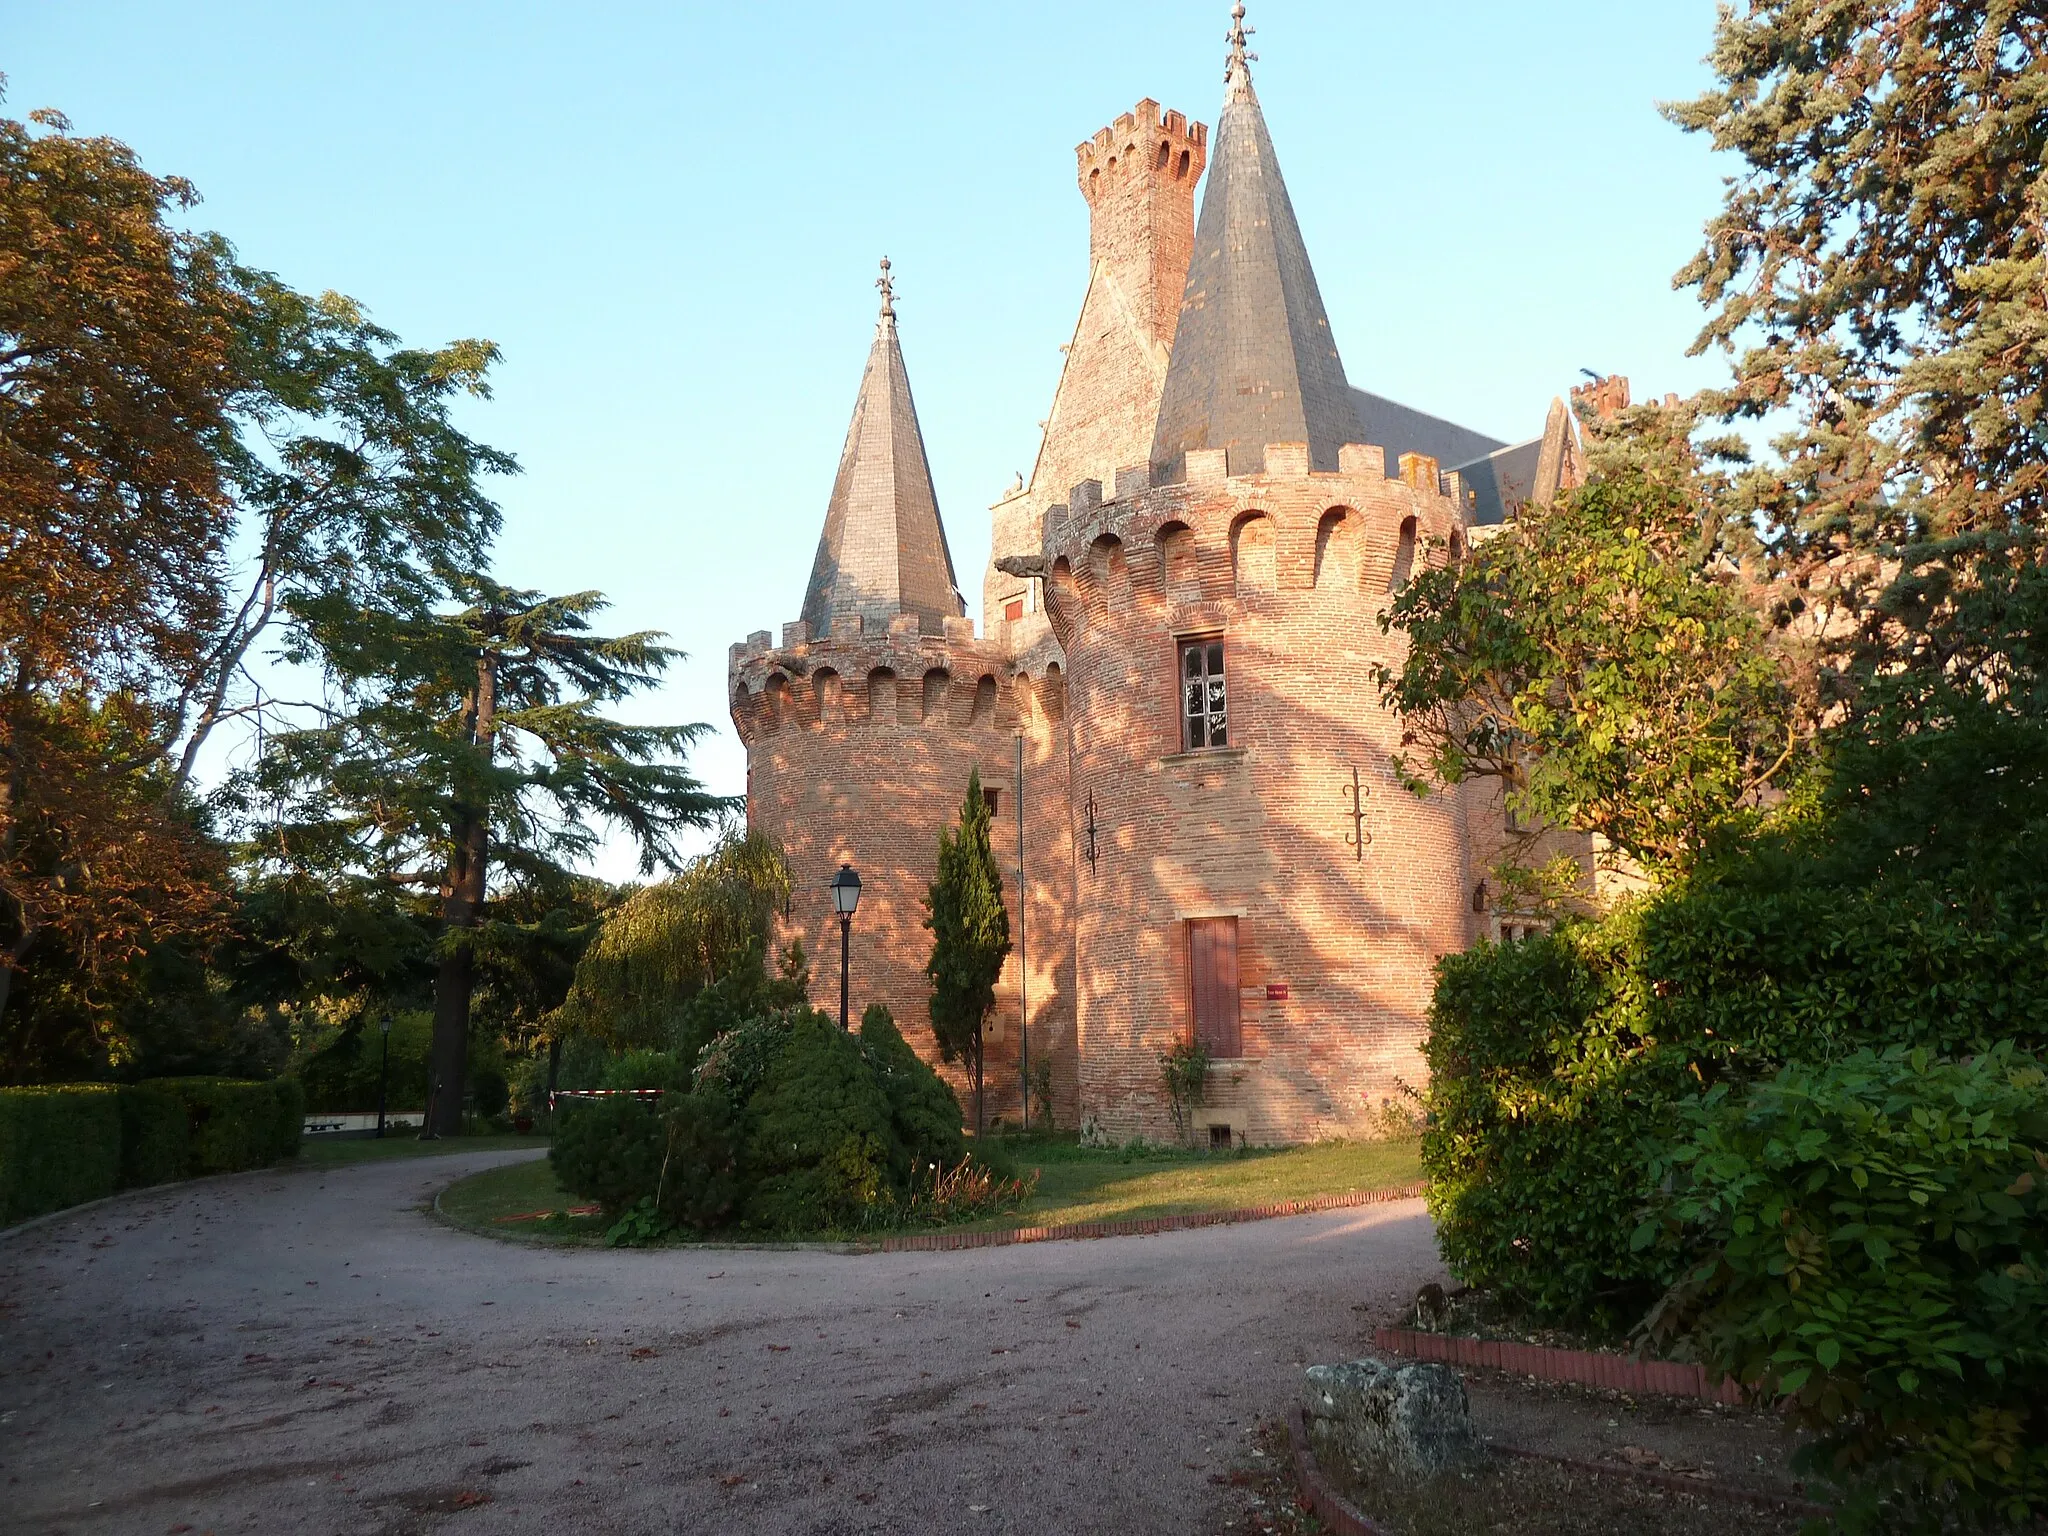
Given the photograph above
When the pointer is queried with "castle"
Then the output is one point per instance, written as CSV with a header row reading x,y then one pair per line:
x,y
1172,701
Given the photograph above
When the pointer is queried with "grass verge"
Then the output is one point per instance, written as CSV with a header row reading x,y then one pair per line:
x,y
1074,1184
317,1153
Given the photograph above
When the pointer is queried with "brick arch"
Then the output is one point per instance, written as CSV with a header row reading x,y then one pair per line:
x,y
1404,556
985,696
1252,557
1053,692
1109,574
938,688
1339,550
1179,559
828,696
778,708
882,705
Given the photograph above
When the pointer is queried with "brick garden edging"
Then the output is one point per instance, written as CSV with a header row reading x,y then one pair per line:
x,y
935,1242
1329,1505
1581,1367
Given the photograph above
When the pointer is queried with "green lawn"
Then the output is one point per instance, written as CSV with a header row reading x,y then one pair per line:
x,y
1080,1184
1074,1184
319,1152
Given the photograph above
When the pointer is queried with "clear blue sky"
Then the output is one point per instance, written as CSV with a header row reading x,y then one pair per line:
x,y
669,216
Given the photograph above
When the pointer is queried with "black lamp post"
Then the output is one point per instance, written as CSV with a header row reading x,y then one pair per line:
x,y
845,898
383,1070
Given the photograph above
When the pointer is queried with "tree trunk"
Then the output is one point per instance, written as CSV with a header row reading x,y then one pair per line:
x,y
462,908
979,1128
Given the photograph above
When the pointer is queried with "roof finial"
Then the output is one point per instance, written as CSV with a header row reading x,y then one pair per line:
x,y
1236,72
888,287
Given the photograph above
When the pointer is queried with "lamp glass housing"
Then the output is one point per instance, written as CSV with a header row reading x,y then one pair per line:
x,y
845,891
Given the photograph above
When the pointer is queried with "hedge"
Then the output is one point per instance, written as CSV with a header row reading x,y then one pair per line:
x,y
65,1144
59,1146
236,1125
156,1137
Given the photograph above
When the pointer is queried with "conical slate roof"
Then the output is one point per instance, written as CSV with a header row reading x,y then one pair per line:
x,y
1253,359
883,551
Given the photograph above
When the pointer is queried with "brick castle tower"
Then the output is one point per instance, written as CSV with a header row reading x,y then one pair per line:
x,y
1180,629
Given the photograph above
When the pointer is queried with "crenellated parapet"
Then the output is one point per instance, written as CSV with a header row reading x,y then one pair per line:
x,y
1213,540
867,676
1141,145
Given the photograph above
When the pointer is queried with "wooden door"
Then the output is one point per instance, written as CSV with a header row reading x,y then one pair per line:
x,y
1212,985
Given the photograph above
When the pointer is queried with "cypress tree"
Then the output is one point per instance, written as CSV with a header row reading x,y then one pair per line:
x,y
970,937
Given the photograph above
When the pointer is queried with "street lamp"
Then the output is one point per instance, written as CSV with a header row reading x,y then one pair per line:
x,y
384,1070
845,898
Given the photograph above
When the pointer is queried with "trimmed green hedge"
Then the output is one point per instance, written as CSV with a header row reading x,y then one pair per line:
x,y
59,1146
156,1138
237,1125
68,1143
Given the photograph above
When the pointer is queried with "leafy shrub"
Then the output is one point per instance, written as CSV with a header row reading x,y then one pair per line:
x,y
792,1127
608,1150
1560,1065
820,1134
1870,1239
737,1062
924,1114
703,1179
1185,1072
59,1146
648,1069
731,1001
156,1135
1754,967
1542,1089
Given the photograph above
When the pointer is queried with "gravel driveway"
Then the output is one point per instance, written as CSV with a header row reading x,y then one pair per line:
x,y
309,1351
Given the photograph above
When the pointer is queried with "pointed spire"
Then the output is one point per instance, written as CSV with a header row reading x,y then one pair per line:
x,y
1253,359
883,551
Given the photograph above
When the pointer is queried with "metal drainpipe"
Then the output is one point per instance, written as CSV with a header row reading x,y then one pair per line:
x,y
1023,957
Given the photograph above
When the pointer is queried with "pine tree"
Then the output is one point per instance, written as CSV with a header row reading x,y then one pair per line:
x,y
970,937
1879,274
465,744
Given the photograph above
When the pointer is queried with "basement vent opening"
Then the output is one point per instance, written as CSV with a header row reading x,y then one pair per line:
x,y
1219,1138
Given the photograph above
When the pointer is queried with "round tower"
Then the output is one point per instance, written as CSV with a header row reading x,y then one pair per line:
x,y
859,746
1221,634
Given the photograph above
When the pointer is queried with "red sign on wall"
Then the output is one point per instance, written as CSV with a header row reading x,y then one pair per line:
x,y
1276,991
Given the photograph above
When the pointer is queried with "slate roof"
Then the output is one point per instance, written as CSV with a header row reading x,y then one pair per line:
x,y
1501,481
883,551
1402,429
1253,358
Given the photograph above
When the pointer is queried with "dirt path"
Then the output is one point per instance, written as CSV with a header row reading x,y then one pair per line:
x,y
307,1351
